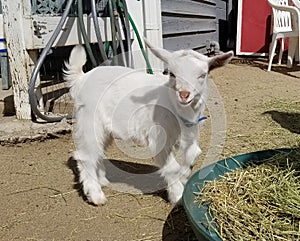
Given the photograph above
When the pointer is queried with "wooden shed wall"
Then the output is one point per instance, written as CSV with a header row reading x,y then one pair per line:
x,y
190,24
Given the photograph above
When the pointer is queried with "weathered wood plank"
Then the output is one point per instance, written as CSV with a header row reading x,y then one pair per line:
x,y
221,14
188,8
19,59
188,41
221,4
211,2
221,9
189,24
173,25
43,27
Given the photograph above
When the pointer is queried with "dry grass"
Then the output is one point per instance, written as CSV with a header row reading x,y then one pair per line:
x,y
259,202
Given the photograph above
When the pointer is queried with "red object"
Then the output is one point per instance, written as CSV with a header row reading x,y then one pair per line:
x,y
255,26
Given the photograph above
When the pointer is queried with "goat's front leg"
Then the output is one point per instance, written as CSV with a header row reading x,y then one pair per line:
x,y
171,173
191,152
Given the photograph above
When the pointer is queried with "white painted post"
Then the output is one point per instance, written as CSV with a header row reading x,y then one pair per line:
x,y
153,28
19,60
135,8
147,17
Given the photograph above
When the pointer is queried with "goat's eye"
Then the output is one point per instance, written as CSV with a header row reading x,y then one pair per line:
x,y
202,76
172,75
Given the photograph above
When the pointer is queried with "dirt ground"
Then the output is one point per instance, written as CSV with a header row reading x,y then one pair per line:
x,y
40,198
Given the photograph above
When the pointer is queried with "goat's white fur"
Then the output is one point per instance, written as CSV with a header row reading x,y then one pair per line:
x,y
118,102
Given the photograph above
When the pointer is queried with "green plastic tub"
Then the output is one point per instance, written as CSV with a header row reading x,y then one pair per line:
x,y
194,213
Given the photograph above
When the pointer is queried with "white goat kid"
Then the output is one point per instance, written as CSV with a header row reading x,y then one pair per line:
x,y
159,111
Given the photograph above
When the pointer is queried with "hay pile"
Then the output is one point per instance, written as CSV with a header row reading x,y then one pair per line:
x,y
259,202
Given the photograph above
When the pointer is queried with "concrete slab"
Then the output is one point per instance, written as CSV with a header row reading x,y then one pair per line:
x,y
14,131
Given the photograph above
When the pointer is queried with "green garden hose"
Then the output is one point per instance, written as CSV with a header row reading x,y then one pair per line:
x,y
139,40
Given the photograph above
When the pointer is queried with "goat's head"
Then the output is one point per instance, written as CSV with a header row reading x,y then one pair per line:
x,y
188,71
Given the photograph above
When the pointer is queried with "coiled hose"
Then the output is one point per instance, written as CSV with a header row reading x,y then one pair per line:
x,y
98,33
38,65
128,18
119,35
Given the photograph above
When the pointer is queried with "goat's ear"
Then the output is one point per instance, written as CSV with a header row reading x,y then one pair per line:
x,y
162,54
220,60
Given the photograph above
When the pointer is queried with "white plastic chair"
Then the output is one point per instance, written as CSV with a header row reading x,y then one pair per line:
x,y
296,3
285,25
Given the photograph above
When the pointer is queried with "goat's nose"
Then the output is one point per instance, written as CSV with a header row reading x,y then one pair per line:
x,y
184,94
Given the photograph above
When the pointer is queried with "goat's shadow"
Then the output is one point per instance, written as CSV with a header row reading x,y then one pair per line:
x,y
289,121
135,178
144,178
177,226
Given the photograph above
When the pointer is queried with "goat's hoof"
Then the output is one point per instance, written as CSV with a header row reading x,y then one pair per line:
x,y
175,193
97,198
94,193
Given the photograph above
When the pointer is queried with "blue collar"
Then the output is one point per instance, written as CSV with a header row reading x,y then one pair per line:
x,y
187,123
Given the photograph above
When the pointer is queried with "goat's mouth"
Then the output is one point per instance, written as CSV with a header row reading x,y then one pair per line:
x,y
186,103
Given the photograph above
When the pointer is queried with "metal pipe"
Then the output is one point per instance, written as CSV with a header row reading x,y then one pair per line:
x,y
119,33
127,30
84,34
97,31
113,31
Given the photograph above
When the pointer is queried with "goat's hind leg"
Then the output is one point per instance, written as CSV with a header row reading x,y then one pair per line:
x,y
88,169
89,157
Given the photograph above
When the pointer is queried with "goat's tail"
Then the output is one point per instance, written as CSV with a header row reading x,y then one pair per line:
x,y
73,68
